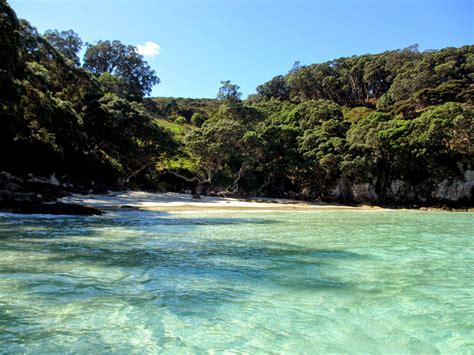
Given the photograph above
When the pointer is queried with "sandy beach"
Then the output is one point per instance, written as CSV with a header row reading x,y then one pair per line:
x,y
183,202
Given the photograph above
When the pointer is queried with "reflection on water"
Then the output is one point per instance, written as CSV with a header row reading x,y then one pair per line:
x,y
348,281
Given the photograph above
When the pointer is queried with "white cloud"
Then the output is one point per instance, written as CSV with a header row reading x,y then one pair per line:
x,y
149,49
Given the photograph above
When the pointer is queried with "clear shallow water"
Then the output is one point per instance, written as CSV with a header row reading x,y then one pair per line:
x,y
351,281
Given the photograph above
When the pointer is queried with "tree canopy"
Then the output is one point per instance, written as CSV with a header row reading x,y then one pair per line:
x,y
132,78
58,118
67,42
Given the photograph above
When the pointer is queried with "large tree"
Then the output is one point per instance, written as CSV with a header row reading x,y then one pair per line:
x,y
135,76
67,42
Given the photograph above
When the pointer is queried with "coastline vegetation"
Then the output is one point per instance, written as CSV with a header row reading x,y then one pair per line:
x,y
389,128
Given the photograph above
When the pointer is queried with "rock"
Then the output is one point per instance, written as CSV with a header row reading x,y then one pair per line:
x,y
27,204
340,191
7,196
37,195
397,187
455,190
364,193
68,209
5,175
49,189
128,207
53,180
306,192
399,192
10,182
335,193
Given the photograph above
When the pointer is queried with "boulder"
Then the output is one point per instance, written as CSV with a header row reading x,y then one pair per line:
x,y
455,190
364,193
68,209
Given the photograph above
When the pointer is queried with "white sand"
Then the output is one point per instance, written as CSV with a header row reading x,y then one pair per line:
x,y
173,201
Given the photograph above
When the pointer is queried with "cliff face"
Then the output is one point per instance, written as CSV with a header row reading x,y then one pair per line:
x,y
456,190
450,192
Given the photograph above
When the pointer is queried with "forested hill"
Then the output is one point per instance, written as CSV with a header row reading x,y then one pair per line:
x,y
389,128
84,123
396,128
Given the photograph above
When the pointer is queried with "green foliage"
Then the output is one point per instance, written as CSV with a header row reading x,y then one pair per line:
x,y
365,80
453,90
124,62
9,44
180,120
294,135
186,107
313,113
67,42
113,85
356,114
58,118
198,119
275,88
229,92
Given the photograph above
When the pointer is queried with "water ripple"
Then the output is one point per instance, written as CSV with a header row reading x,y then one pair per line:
x,y
356,282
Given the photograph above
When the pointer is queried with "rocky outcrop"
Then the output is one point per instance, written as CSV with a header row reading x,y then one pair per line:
x,y
455,190
57,208
397,192
362,193
37,195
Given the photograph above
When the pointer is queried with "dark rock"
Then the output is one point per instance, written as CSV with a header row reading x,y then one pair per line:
x,y
69,209
7,196
10,182
37,195
49,191
128,207
56,208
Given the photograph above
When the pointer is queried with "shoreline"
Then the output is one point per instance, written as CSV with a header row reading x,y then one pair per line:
x,y
170,201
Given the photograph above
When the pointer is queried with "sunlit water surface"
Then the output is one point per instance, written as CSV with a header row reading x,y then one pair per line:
x,y
350,281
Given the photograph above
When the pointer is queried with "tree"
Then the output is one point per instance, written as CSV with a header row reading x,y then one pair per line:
x,y
67,42
322,144
124,137
229,92
277,87
9,43
125,63
10,71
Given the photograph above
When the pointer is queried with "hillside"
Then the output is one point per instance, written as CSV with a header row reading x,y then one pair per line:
x,y
395,127
389,128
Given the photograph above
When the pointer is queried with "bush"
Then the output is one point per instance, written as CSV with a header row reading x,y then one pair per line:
x,y
357,113
180,120
198,119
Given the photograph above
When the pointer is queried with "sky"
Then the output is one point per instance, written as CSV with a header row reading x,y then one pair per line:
x,y
195,44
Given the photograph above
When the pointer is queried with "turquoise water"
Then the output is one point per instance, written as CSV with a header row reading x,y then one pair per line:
x,y
350,281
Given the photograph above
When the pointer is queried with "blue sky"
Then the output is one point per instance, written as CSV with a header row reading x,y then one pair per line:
x,y
249,41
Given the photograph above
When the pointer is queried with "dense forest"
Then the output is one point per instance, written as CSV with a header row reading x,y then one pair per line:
x,y
389,128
